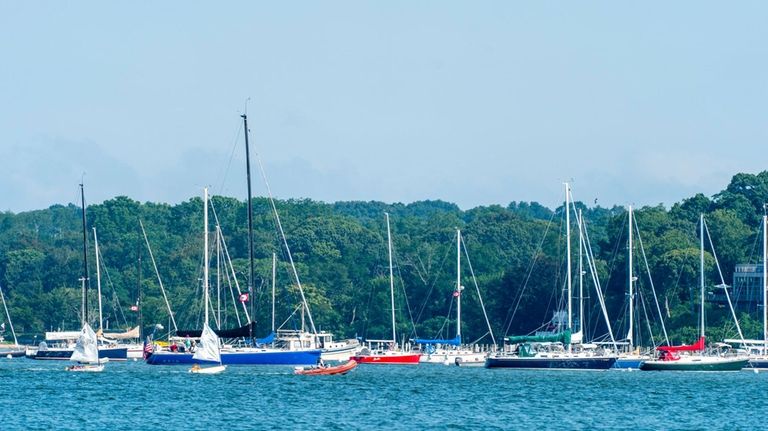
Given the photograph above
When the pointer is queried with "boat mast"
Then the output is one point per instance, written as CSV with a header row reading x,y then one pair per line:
x,y
630,337
581,275
139,303
85,279
391,279
568,251
701,270
765,284
458,284
205,252
98,277
250,220
218,276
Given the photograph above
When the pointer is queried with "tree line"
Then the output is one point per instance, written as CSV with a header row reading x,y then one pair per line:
x,y
517,255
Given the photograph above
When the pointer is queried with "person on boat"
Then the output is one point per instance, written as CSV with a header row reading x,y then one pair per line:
x,y
320,363
174,347
187,343
196,367
192,346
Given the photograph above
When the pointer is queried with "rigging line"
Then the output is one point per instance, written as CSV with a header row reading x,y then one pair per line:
x,y
159,280
650,280
722,281
285,243
479,296
405,294
534,259
645,313
231,266
115,299
432,284
583,232
231,157
8,315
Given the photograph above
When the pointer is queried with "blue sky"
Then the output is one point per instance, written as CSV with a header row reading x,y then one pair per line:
x,y
471,102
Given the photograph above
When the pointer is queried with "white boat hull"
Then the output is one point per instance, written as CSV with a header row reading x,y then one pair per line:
x,y
216,369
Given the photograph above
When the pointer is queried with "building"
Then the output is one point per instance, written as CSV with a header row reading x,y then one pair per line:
x,y
746,291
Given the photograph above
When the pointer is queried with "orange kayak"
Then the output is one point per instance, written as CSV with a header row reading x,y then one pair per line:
x,y
320,370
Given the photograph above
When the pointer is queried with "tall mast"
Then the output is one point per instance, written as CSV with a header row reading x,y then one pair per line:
x,y
205,252
458,283
581,273
139,303
391,279
218,276
85,280
568,251
98,278
630,337
250,221
765,284
701,270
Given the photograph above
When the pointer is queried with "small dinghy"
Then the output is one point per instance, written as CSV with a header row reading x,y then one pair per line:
x,y
209,350
327,370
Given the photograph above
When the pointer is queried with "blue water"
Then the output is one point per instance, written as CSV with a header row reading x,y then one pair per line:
x,y
41,395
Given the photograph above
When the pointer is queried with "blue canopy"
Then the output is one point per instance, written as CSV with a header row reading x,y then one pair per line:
x,y
266,340
452,342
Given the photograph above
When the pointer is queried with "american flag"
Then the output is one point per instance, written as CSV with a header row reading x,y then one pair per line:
x,y
148,348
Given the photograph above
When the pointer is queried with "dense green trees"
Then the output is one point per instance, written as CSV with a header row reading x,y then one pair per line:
x,y
517,254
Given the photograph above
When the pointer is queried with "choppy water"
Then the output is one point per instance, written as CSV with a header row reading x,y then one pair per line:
x,y
41,395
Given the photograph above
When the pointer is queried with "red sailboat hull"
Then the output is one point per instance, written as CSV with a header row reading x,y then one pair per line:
x,y
389,359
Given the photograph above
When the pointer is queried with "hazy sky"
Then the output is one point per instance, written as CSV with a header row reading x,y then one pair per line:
x,y
473,102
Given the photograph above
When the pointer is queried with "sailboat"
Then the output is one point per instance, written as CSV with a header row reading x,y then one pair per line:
x,y
9,350
209,350
537,352
86,352
630,359
387,351
758,349
65,341
670,359
451,351
233,356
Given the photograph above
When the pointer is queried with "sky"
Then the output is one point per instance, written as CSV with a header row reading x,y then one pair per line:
x,y
475,103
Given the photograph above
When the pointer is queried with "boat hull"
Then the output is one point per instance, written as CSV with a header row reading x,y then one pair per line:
x,y
404,359
560,363
629,363
758,363
216,369
704,364
258,357
52,354
325,371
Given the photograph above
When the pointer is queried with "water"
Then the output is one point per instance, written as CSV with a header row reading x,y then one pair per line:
x,y
42,396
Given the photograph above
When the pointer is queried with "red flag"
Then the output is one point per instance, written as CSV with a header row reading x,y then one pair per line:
x,y
134,308
244,297
456,293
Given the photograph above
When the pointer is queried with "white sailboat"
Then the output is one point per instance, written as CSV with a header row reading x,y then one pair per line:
x,y
209,349
86,352
453,352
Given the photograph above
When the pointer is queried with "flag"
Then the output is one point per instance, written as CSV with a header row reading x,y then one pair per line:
x,y
456,293
148,348
134,308
244,297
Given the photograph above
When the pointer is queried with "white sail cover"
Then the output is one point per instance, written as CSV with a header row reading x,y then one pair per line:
x,y
208,349
86,350
577,337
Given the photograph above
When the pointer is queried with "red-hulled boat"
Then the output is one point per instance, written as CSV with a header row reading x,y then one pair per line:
x,y
390,357
328,370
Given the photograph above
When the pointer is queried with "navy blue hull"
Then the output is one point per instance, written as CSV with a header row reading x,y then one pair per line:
x,y
758,363
114,354
267,357
600,363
